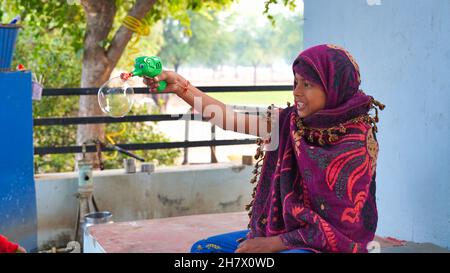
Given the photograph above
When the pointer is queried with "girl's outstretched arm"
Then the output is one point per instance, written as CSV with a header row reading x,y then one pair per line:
x,y
214,110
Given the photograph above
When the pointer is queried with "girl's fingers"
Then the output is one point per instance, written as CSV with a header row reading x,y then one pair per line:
x,y
241,244
147,81
156,79
154,88
150,83
239,249
162,76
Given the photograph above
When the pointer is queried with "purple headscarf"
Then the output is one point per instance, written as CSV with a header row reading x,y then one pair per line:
x,y
317,190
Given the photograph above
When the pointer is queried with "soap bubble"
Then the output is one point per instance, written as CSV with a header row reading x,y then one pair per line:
x,y
115,97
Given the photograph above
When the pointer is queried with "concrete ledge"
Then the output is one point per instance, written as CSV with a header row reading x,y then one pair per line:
x,y
166,235
177,234
168,192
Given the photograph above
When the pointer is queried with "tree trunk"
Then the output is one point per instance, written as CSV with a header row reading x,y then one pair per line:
x,y
98,62
96,67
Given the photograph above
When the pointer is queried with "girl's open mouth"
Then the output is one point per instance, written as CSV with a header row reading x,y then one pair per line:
x,y
300,105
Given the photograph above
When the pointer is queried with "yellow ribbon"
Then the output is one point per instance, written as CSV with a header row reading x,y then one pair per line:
x,y
140,28
109,138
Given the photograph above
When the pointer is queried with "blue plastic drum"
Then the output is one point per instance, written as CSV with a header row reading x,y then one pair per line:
x,y
8,36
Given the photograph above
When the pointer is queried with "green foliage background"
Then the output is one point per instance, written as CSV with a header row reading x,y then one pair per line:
x,y
51,45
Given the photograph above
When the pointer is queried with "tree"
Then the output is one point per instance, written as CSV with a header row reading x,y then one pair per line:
x,y
291,4
175,50
199,44
288,35
212,40
105,38
65,71
251,45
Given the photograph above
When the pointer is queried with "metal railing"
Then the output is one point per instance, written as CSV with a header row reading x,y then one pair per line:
x,y
212,143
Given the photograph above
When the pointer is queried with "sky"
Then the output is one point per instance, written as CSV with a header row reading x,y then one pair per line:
x,y
256,7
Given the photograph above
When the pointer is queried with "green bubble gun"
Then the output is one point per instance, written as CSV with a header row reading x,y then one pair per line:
x,y
149,67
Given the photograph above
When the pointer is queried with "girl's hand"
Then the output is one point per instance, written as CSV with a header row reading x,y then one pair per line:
x,y
175,83
261,245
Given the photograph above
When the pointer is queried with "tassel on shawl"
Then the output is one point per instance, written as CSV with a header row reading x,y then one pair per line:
x,y
330,135
376,105
259,156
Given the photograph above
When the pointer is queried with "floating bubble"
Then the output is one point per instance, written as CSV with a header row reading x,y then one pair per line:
x,y
115,97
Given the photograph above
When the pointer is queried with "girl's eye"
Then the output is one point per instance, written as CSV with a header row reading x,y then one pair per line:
x,y
307,85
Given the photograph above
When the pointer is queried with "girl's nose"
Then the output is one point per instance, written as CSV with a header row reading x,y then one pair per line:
x,y
297,92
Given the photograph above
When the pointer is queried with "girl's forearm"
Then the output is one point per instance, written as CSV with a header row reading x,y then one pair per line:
x,y
199,100
219,113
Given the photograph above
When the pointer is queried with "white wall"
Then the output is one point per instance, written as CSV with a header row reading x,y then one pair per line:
x,y
402,47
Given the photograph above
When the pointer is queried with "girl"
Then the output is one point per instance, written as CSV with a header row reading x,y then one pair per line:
x,y
316,189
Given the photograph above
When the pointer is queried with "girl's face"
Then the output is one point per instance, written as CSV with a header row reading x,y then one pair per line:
x,y
309,97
